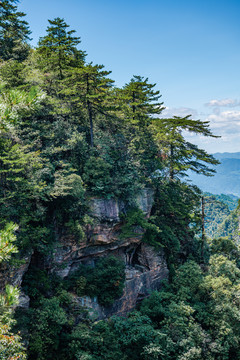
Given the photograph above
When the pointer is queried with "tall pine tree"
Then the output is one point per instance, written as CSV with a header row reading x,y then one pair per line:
x,y
14,32
59,47
141,101
88,87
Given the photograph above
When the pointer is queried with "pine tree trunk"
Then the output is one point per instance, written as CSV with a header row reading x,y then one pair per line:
x,y
171,174
60,65
203,227
90,116
90,122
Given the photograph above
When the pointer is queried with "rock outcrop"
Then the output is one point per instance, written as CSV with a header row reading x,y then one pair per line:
x,y
14,274
143,276
144,267
110,209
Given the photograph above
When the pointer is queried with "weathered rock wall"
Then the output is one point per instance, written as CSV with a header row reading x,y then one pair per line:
x,y
145,269
14,275
142,278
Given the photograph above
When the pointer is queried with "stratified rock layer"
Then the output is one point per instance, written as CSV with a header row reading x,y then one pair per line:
x,y
144,267
142,278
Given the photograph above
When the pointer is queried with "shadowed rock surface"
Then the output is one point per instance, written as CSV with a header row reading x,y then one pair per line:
x,y
144,267
143,276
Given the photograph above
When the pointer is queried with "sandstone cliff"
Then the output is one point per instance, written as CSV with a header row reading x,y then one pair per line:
x,y
145,268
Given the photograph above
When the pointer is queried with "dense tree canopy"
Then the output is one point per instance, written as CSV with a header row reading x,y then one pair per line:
x,y
14,32
10,344
68,134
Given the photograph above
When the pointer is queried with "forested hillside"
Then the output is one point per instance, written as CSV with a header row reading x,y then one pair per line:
x,y
93,198
221,215
230,200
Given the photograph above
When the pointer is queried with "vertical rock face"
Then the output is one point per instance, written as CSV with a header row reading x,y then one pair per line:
x,y
144,267
110,209
145,201
143,276
103,237
12,274
106,209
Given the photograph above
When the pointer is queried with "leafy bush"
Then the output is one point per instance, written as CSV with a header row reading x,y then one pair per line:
x,y
105,280
134,221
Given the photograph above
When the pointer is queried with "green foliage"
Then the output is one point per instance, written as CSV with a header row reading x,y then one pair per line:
x,y
7,239
134,334
215,213
66,182
37,283
97,175
90,86
111,171
221,216
15,104
176,213
49,320
195,314
105,280
66,135
12,74
229,226
10,344
225,246
180,155
230,200
135,222
58,47
75,228
14,32
53,330
140,101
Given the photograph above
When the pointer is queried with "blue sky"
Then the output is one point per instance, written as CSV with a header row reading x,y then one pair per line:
x,y
189,48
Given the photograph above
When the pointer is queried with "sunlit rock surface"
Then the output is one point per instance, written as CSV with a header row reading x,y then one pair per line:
x,y
142,278
144,267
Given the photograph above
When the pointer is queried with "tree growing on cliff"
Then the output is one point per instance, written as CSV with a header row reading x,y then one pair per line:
x,y
140,101
14,32
59,47
88,88
181,155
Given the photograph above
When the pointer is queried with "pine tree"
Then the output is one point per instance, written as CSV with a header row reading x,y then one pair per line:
x,y
14,32
181,155
59,47
89,86
140,104
140,101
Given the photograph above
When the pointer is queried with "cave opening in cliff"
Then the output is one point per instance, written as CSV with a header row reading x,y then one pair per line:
x,y
132,256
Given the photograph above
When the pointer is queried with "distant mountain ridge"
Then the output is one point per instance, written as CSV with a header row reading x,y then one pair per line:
x,y
227,177
227,155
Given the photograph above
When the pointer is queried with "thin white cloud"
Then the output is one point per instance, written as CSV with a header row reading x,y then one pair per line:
x,y
181,111
227,118
222,123
224,102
